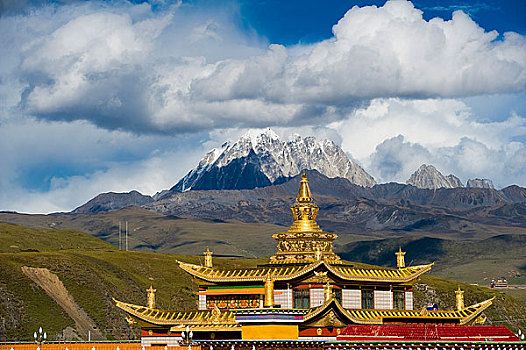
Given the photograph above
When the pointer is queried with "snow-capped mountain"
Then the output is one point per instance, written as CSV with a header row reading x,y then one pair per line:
x,y
427,176
261,159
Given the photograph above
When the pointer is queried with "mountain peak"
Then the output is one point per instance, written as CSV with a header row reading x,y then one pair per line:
x,y
427,176
261,158
256,136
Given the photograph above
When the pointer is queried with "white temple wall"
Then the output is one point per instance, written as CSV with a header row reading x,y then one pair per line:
x,y
156,341
351,298
383,299
317,295
202,302
409,300
284,298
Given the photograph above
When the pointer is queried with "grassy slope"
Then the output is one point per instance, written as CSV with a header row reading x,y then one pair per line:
x,y
95,272
150,231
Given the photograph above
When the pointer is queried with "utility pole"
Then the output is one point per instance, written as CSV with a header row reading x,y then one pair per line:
x,y
120,229
126,235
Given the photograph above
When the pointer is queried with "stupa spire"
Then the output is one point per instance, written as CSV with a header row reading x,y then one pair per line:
x,y
304,194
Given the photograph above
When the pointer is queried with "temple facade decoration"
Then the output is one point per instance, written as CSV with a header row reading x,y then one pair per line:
x,y
305,292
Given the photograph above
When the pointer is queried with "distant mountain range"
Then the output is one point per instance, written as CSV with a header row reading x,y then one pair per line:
x,y
256,170
239,195
352,209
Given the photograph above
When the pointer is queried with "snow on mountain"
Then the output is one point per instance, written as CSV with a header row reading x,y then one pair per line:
x,y
427,176
260,159
480,183
454,181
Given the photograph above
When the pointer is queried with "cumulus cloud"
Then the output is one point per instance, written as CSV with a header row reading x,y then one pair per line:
x,y
396,159
129,67
393,137
431,123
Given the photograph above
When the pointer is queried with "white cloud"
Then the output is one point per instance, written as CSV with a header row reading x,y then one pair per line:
x,y
393,137
66,193
432,123
70,163
127,67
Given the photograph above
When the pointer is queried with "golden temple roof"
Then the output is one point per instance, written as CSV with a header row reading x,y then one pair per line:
x,y
362,316
289,272
213,318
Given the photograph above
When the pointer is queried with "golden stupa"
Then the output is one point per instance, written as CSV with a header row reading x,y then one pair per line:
x,y
304,241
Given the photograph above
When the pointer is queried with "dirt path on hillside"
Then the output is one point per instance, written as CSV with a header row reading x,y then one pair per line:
x,y
53,286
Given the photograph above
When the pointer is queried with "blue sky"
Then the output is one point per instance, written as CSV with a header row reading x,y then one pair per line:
x,y
115,96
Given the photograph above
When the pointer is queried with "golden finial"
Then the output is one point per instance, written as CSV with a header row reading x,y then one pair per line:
x,y
460,298
208,258
400,260
327,291
304,194
151,297
269,291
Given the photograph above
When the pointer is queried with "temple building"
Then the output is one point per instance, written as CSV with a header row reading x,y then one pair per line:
x,y
305,291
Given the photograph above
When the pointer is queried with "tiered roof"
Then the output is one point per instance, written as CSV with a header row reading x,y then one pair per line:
x,y
291,272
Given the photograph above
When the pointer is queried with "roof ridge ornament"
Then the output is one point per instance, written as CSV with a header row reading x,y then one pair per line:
x,y
208,258
151,297
400,259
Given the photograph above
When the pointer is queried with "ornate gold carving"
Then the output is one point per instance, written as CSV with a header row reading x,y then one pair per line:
x,y
327,292
215,315
304,241
130,320
481,319
321,276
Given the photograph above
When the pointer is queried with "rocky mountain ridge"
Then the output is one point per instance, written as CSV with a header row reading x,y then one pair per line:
x,y
112,201
197,203
428,177
262,159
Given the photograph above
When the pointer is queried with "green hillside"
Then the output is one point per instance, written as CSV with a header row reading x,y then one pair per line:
x,y
93,272
153,232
